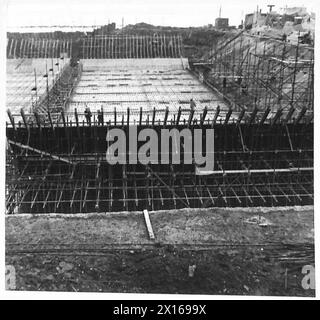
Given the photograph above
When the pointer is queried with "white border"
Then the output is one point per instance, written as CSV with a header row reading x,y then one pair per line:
x,y
122,296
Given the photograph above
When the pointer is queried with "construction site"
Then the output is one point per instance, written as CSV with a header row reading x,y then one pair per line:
x,y
63,97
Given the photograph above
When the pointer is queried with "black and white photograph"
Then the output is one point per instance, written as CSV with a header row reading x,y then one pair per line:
x,y
159,147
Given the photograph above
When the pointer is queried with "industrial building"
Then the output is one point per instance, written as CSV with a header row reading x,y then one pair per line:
x,y
221,23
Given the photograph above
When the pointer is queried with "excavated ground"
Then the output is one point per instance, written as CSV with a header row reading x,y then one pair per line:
x,y
234,251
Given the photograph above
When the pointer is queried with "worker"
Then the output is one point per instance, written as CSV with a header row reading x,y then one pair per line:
x,y
100,117
88,115
192,104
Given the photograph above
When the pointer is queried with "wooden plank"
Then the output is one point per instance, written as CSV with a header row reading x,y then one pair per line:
x,y
85,195
136,192
43,153
50,120
276,117
289,115
216,116
259,193
73,195
178,116
98,196
204,114
190,117
140,117
35,197
236,195
115,116
166,116
153,116
241,115
128,116
211,197
228,115
148,224
301,114
46,199
161,197
11,119
253,116
24,119
61,193
264,117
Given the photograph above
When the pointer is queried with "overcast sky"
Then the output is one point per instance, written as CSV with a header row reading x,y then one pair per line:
x,y
182,13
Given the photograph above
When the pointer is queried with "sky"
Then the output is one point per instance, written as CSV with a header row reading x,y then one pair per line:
x,y
181,13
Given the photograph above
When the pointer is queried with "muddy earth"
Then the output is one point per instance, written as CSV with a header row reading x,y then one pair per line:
x,y
210,251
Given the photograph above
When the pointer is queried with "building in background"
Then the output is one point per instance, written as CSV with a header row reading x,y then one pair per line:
x,y
255,19
221,23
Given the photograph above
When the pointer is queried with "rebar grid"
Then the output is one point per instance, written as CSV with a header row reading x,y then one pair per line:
x,y
131,46
262,119
38,48
65,170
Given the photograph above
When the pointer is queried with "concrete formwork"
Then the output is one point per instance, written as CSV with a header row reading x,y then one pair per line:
x,y
57,160
150,84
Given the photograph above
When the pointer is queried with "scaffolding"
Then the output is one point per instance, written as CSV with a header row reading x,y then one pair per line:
x,y
263,131
261,73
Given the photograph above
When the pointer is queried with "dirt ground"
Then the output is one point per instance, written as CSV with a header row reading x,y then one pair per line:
x,y
232,251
